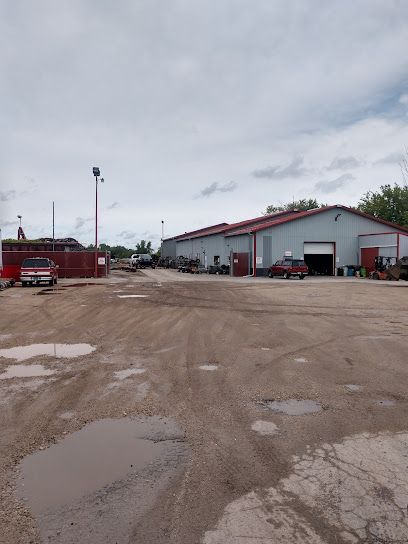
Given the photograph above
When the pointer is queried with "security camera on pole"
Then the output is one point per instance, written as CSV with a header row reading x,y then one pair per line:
x,y
96,172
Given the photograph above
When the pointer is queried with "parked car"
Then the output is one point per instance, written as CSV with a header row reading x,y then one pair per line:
x,y
141,260
288,268
35,270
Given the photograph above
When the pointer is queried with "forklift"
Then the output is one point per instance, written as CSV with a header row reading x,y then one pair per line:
x,y
388,268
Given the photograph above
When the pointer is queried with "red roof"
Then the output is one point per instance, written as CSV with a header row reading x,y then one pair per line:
x,y
223,227
307,213
198,232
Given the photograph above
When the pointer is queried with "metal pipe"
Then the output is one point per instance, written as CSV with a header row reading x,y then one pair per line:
x,y
249,275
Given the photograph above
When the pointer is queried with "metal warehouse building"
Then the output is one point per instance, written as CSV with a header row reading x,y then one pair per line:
x,y
326,238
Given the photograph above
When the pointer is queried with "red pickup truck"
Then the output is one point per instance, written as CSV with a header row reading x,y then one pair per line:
x,y
37,270
288,268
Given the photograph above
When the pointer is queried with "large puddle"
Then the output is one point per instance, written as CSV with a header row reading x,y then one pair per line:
x,y
98,455
293,407
25,371
21,353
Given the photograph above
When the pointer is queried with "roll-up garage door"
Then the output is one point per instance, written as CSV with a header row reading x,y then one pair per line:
x,y
319,257
318,248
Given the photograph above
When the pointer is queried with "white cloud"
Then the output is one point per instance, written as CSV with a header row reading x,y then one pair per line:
x,y
404,99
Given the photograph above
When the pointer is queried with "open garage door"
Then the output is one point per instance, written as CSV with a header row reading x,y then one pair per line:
x,y
319,257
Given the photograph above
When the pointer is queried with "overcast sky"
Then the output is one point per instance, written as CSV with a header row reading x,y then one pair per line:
x,y
196,112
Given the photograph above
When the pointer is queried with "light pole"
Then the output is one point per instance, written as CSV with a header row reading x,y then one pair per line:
x,y
20,232
96,172
162,238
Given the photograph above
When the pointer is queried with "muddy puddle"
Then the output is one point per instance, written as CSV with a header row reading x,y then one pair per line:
x,y
25,371
50,291
90,459
292,407
21,353
385,402
98,484
208,367
123,374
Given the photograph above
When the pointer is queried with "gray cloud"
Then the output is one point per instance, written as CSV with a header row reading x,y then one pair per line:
x,y
127,235
5,224
80,221
292,170
217,188
331,186
344,163
5,196
113,205
392,158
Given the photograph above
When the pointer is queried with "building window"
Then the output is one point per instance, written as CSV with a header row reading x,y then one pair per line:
x,y
216,260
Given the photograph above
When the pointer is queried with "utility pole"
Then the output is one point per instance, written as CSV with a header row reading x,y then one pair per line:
x,y
96,172
53,227
162,238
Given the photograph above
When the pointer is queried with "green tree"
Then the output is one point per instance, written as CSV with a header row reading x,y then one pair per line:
x,y
390,202
144,247
302,204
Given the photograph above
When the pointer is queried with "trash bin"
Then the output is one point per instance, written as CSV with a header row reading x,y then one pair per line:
x,y
340,271
363,272
350,271
345,271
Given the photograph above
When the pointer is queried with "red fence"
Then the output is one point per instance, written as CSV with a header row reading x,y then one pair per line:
x,y
72,264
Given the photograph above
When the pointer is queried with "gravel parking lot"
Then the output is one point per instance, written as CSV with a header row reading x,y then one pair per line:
x,y
169,408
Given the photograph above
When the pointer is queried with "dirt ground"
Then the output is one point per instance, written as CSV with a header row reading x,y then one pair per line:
x,y
213,373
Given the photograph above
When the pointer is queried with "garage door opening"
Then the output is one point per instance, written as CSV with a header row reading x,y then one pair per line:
x,y
319,258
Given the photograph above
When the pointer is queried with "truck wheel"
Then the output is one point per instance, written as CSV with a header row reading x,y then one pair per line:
x,y
301,277
270,275
24,284
286,275
51,282
55,281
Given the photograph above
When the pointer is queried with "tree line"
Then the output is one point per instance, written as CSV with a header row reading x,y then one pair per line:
x,y
122,252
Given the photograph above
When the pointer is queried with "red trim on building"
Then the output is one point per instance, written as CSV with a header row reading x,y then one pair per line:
x,y
226,227
254,256
378,233
199,231
307,213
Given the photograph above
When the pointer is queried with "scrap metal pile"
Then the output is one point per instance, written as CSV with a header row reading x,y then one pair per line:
x,y
385,270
